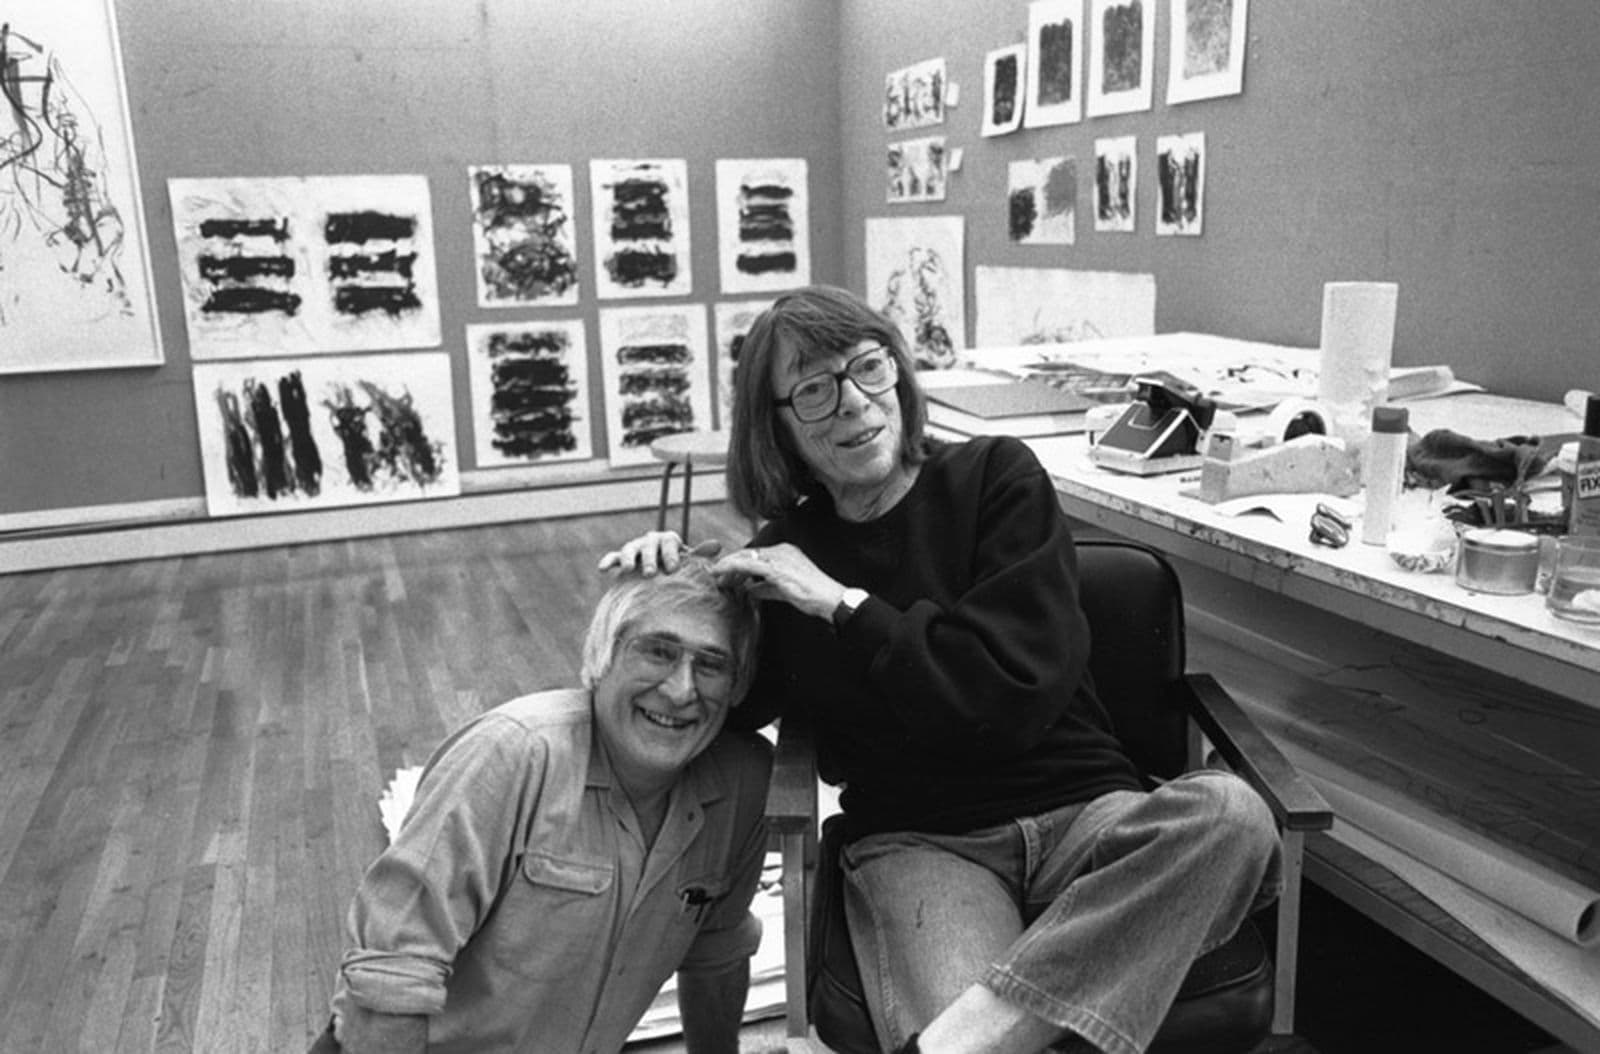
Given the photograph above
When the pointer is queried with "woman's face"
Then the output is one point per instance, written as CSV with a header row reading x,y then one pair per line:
x,y
856,446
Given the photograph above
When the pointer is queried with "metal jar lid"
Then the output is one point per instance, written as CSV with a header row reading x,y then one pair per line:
x,y
1501,540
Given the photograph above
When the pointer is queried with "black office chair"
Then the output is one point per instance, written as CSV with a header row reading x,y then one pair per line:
x,y
1234,995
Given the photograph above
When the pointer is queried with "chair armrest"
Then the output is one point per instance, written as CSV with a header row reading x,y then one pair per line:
x,y
1295,803
792,792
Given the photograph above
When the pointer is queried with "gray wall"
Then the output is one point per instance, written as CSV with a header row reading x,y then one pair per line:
x,y
307,87
1447,147
1451,148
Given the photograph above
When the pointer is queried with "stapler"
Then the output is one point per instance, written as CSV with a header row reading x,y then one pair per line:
x,y
1160,432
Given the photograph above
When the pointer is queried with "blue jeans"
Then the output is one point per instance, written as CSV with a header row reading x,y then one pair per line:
x,y
1087,916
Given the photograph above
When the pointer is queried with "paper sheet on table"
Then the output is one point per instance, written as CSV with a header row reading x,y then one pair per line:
x,y
1292,509
1568,970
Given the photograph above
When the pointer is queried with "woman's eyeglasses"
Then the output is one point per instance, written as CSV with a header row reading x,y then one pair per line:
x,y
659,657
816,398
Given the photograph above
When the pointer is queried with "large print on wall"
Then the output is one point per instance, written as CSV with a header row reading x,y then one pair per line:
x,y
641,228
763,224
300,265
522,235
1042,201
914,275
284,435
658,379
1055,63
1207,49
733,321
1003,82
75,287
1049,305
1122,35
530,392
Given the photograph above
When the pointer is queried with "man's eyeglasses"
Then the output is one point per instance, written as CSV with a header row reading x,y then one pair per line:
x,y
816,398
659,657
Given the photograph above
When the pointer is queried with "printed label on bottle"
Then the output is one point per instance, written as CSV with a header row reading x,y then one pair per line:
x,y
1585,516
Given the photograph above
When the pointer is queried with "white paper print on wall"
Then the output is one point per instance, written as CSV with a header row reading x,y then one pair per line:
x,y
763,224
524,244
299,265
75,286
915,269
917,170
1180,183
1116,183
1042,201
657,377
914,97
1003,84
1206,53
1048,305
530,392
284,435
1055,63
733,320
1122,38
641,228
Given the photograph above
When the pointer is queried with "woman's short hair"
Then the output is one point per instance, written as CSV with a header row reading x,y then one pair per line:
x,y
691,588
766,475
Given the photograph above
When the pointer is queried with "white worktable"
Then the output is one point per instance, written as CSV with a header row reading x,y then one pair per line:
x,y
1257,567
1512,635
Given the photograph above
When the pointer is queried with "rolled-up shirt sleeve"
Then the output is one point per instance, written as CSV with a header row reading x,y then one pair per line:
x,y
429,892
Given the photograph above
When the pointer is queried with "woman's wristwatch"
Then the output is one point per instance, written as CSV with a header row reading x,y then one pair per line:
x,y
848,603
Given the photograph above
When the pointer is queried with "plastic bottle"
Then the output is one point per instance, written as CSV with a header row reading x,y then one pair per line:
x,y
1584,517
1384,471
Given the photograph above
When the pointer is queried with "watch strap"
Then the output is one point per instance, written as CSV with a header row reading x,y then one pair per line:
x,y
848,603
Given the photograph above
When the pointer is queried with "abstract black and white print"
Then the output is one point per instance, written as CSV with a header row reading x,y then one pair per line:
x,y
1042,201
530,392
1180,183
1207,50
657,376
641,228
1003,85
733,320
763,224
1121,60
916,276
914,97
1116,182
1055,63
75,287
303,265
522,233
917,170
291,434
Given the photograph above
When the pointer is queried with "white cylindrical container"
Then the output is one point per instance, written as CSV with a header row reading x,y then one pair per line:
x,y
1384,472
1357,342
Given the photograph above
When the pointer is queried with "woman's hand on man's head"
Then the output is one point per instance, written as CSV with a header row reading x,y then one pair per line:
x,y
782,572
654,551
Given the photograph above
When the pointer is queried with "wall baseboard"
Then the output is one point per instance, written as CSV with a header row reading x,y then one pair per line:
x,y
155,530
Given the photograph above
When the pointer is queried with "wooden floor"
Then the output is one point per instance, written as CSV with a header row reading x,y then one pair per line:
x,y
191,752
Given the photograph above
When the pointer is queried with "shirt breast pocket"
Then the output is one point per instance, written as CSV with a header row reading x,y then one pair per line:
x,y
556,914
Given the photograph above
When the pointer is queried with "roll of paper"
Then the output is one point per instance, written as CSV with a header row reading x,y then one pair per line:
x,y
1357,344
1557,902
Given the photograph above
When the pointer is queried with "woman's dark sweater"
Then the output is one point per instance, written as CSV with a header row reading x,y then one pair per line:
x,y
957,696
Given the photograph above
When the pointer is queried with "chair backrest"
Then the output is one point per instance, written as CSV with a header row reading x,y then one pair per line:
x,y
1134,603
